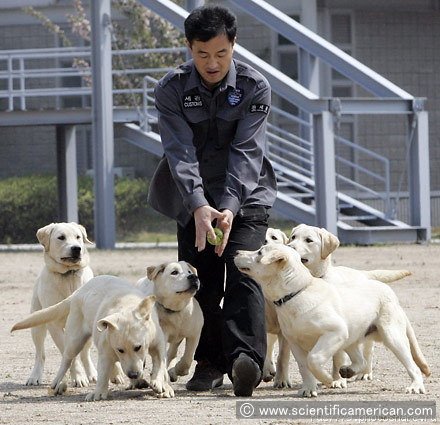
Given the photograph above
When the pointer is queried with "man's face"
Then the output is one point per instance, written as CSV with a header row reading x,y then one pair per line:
x,y
212,58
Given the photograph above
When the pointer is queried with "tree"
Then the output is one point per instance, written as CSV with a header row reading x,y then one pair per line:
x,y
139,29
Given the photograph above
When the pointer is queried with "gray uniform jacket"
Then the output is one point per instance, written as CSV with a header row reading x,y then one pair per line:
x,y
214,143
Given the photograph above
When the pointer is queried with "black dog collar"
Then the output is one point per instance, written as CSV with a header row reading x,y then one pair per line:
x,y
288,297
167,310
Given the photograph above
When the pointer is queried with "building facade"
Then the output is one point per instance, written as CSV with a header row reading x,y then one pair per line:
x,y
397,38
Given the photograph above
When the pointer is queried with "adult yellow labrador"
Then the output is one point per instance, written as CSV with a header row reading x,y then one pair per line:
x,y
319,320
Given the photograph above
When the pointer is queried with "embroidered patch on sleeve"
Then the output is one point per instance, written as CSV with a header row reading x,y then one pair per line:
x,y
259,107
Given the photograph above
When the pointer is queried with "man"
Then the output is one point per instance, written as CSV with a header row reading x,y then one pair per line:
x,y
212,120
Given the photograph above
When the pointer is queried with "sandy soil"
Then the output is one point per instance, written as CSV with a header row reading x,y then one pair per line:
x,y
419,295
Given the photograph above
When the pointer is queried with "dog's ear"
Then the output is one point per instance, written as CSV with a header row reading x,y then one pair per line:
x,y
193,269
285,238
329,242
153,271
274,256
43,235
144,308
109,322
292,231
83,233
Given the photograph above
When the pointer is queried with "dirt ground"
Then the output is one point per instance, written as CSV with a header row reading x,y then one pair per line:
x,y
419,295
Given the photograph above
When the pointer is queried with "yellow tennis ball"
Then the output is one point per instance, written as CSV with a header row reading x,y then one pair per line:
x,y
218,237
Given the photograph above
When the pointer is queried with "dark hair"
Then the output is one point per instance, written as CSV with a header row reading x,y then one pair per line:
x,y
207,22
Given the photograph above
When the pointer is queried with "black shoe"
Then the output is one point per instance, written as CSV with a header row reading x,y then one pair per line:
x,y
205,378
246,376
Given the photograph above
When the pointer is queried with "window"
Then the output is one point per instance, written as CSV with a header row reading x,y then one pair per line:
x,y
341,36
285,59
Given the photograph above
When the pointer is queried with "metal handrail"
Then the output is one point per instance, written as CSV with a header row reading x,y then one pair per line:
x,y
383,178
286,148
294,152
17,68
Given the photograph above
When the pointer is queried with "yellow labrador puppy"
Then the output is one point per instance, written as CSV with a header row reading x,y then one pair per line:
x,y
319,320
124,326
174,284
275,236
66,268
315,246
280,373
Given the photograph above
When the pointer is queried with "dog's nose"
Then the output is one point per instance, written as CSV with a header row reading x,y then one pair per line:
x,y
194,281
134,375
76,251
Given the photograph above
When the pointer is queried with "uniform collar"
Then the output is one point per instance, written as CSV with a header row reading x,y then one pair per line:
x,y
194,80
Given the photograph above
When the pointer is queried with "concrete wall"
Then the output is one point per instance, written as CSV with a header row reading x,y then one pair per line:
x,y
402,46
398,39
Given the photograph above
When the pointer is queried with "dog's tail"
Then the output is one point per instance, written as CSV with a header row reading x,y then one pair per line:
x,y
46,315
416,352
387,276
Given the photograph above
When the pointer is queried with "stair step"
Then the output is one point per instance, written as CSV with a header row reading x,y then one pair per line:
x,y
381,234
357,217
297,195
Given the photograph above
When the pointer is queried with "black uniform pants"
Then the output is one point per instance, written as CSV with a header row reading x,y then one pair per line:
x,y
238,326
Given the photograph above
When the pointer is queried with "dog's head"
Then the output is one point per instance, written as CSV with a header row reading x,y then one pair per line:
x,y
65,244
175,283
275,236
313,244
129,334
276,267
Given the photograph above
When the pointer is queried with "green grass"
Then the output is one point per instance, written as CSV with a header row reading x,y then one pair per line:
x,y
152,237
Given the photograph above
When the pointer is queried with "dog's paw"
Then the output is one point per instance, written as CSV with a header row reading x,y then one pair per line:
x,y
117,375
97,395
90,371
161,387
34,380
92,378
267,377
157,385
308,391
282,382
59,388
80,381
367,376
416,388
339,383
117,379
181,369
167,392
269,372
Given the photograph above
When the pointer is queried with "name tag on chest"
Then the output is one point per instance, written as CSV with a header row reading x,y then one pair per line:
x,y
192,101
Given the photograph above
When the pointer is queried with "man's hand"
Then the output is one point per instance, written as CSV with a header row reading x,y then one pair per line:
x,y
203,218
225,224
